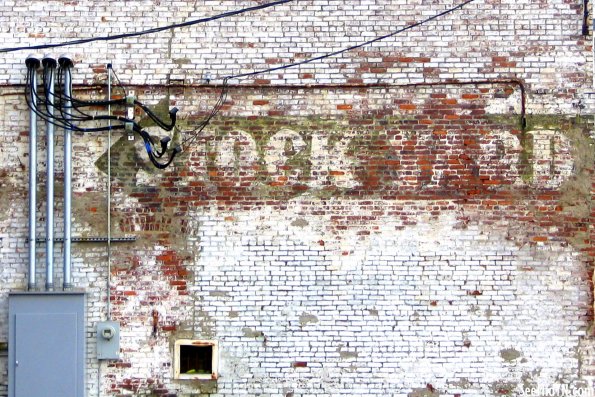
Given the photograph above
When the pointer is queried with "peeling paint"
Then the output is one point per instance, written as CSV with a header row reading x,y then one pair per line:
x,y
427,391
345,354
307,318
252,333
510,354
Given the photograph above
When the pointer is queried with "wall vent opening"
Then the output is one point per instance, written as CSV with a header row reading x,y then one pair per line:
x,y
195,359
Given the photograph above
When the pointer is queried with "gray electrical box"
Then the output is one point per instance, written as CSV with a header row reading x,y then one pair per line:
x,y
46,350
108,340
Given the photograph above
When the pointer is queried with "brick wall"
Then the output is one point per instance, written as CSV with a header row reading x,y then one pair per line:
x,y
539,42
366,226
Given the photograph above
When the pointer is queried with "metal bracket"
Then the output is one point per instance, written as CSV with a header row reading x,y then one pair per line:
x,y
90,240
130,98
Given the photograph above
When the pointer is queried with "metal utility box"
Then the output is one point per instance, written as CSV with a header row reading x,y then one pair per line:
x,y
108,340
46,344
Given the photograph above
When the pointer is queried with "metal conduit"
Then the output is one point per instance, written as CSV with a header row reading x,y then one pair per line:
x,y
49,65
109,195
66,65
32,64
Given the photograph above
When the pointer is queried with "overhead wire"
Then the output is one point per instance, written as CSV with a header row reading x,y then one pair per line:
x,y
147,31
226,79
353,47
225,86
33,98
119,82
205,122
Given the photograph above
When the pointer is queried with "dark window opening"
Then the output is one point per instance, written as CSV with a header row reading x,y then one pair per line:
x,y
196,359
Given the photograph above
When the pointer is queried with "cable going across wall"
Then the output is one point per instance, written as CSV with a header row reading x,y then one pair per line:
x,y
224,90
148,31
71,113
152,151
353,47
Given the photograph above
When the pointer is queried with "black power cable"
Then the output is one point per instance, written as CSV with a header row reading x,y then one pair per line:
x,y
148,31
149,145
218,105
59,101
49,116
223,94
353,47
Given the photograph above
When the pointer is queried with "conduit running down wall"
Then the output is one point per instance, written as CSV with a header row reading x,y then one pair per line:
x,y
49,79
32,65
49,69
65,103
66,63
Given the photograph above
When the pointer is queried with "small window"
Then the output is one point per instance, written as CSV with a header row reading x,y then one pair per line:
x,y
195,359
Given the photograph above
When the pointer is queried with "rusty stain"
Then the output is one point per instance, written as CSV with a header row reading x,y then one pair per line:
x,y
155,315
201,343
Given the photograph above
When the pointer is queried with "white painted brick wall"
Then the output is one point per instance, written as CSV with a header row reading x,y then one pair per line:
x,y
374,296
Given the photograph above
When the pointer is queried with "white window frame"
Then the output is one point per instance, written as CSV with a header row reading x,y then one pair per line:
x,y
196,342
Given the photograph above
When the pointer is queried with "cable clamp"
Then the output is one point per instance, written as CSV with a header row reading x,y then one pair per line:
x,y
130,100
129,128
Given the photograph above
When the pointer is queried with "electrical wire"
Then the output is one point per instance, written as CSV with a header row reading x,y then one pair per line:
x,y
168,127
58,122
58,98
353,47
218,105
59,101
148,31
76,104
149,145
120,85
64,99
585,30
226,79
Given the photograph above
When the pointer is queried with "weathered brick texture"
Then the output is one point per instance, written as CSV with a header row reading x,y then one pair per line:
x,y
413,218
